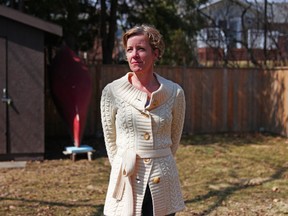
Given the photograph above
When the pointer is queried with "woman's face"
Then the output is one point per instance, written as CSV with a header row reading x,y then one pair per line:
x,y
140,55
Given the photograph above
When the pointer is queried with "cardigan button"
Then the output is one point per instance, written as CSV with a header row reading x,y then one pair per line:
x,y
146,136
147,160
156,180
155,103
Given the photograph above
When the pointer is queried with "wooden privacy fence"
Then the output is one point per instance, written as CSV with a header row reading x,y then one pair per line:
x,y
217,100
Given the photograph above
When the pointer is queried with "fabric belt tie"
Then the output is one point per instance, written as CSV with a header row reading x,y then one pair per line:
x,y
127,169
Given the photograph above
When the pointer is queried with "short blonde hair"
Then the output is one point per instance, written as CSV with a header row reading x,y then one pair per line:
x,y
155,38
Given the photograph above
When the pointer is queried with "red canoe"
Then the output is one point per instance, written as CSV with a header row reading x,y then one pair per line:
x,y
71,87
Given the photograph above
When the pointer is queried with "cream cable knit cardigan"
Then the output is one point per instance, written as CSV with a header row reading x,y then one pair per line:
x,y
141,142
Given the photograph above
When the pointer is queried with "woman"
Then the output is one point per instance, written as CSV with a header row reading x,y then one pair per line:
x,y
142,116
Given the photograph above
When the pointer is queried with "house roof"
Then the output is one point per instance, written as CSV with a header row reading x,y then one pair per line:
x,y
213,2
30,20
208,3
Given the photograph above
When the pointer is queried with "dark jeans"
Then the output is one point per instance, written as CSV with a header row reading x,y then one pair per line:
x,y
147,206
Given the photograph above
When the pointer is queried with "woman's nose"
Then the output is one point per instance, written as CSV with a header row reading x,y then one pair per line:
x,y
134,53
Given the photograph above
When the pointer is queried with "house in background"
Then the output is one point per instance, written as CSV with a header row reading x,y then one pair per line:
x,y
23,39
243,30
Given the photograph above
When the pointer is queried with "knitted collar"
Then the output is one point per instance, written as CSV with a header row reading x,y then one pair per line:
x,y
126,91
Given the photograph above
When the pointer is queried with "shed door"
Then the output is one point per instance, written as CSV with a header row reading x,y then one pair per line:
x,y
26,89
22,79
3,142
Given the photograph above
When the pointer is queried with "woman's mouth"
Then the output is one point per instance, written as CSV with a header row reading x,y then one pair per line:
x,y
137,62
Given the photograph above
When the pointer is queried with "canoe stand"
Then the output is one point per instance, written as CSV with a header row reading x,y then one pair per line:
x,y
73,151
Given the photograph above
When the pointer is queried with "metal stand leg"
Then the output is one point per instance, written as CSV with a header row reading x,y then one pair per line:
x,y
73,156
89,154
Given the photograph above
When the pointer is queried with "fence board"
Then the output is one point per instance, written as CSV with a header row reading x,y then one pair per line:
x,y
218,101
196,86
230,103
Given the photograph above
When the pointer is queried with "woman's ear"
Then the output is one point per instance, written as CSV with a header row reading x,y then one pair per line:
x,y
156,54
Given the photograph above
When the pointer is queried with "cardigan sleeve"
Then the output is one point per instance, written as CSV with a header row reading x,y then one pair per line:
x,y
178,116
108,112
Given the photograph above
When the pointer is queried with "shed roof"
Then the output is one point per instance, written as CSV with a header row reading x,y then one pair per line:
x,y
30,20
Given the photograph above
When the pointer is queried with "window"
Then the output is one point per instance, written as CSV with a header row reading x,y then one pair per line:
x,y
256,39
235,32
211,37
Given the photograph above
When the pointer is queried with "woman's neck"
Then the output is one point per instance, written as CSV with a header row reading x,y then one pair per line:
x,y
145,82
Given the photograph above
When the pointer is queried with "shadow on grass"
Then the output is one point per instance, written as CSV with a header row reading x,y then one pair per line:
x,y
223,194
98,208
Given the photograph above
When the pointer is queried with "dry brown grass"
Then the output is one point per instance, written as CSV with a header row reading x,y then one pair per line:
x,y
220,175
